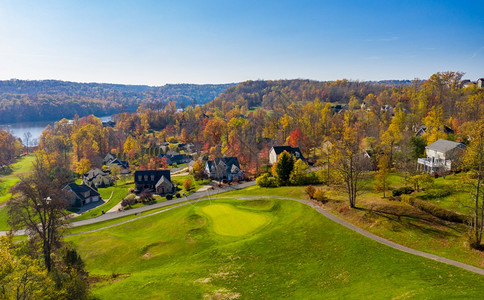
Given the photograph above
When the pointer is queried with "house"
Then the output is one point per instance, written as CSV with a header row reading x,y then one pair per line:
x,y
466,83
158,181
110,160
176,158
97,178
79,195
276,150
422,129
224,168
480,83
442,156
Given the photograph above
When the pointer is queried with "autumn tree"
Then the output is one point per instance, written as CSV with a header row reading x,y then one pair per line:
x,y
348,159
83,166
474,161
38,206
382,183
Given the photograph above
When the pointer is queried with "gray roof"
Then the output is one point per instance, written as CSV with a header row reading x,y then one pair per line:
x,y
79,190
444,145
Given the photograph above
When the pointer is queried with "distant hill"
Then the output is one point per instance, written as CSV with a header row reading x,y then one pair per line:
x,y
46,100
270,93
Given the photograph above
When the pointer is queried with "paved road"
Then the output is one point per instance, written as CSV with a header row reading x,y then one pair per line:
x,y
135,211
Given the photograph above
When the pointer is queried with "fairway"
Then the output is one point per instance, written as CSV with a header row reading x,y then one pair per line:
x,y
290,251
228,220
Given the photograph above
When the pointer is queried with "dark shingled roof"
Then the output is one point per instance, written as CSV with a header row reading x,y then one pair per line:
x,y
79,190
158,174
289,149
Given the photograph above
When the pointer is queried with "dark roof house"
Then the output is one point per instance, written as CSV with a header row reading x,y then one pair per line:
x,y
79,195
224,168
158,181
276,150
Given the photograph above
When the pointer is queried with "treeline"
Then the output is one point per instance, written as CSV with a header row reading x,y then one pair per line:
x,y
46,100
249,118
281,93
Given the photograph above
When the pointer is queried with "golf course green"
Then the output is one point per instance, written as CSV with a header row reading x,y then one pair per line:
x,y
270,249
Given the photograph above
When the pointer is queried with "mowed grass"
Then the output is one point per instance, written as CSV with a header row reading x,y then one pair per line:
x,y
20,168
230,221
300,255
118,192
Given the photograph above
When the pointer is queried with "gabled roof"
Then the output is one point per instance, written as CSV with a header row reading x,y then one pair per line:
x,y
157,176
109,157
93,173
80,190
227,161
162,180
121,163
291,150
444,145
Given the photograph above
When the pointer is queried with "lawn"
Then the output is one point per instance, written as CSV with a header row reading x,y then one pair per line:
x,y
179,180
118,191
283,191
20,168
294,253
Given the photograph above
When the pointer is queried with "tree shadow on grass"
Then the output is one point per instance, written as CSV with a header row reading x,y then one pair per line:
x,y
413,220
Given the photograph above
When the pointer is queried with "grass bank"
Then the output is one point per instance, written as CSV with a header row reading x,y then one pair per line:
x,y
289,251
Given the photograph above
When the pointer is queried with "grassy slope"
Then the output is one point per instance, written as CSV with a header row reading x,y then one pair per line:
x,y
20,168
393,220
299,254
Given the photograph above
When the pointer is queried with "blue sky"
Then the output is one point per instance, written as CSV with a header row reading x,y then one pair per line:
x,y
159,42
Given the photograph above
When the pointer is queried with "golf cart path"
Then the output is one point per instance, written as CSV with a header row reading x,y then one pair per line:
x,y
332,217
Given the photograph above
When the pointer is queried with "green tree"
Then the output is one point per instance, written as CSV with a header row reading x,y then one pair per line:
x,y
22,277
419,181
298,174
283,167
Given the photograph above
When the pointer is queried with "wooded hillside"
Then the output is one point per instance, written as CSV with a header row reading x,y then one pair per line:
x,y
25,100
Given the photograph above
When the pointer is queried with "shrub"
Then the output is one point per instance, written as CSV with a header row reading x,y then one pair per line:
x,y
320,195
200,175
169,197
310,190
435,193
188,184
265,180
404,190
178,195
145,196
129,200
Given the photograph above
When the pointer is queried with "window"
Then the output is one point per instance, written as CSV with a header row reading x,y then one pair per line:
x,y
152,177
140,177
146,177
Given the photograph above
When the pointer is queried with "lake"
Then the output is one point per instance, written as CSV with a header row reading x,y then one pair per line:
x,y
35,128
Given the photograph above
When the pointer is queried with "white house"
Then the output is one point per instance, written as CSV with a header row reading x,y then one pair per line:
x,y
442,156
276,150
